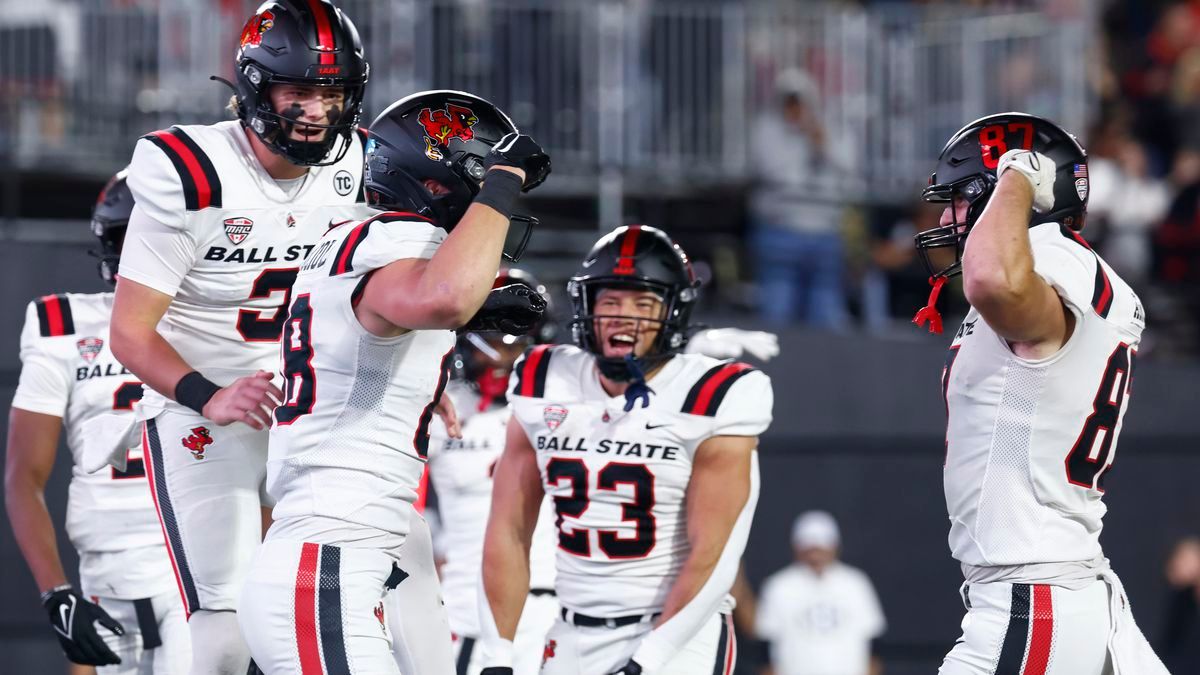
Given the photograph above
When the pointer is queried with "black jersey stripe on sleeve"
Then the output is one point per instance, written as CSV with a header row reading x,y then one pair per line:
x,y
197,174
344,261
1102,291
531,372
54,316
709,391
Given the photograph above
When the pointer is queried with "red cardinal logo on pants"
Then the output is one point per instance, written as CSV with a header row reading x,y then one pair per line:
x,y
198,441
548,651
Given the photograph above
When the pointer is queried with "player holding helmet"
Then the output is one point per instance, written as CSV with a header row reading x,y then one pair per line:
x,y
1036,383
69,378
225,216
365,353
649,455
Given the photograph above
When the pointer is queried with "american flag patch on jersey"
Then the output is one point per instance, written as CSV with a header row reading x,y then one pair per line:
x,y
1081,171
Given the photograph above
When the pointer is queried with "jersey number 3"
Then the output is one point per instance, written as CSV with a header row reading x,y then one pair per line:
x,y
250,324
1089,457
639,511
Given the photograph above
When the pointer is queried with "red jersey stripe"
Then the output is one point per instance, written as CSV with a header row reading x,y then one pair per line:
x,y
54,315
203,189
710,387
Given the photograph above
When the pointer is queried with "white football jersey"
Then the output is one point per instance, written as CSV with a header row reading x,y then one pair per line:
x,y
226,241
618,479
1028,442
68,371
461,471
348,445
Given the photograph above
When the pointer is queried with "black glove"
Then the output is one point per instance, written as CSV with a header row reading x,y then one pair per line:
x,y
514,309
631,668
522,152
74,620
496,670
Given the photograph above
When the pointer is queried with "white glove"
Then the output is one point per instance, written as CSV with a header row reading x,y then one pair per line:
x,y
731,343
1038,169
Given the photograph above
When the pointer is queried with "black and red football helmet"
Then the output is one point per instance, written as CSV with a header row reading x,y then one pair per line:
x,y
300,42
635,257
110,218
966,168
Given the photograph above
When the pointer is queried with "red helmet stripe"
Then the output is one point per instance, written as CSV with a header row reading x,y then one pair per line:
x,y
628,248
324,31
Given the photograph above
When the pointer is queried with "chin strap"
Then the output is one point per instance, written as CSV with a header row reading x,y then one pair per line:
x,y
929,312
637,386
491,388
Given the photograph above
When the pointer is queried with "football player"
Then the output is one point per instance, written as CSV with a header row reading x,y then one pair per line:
x,y
650,458
225,216
460,470
1036,382
126,615
366,352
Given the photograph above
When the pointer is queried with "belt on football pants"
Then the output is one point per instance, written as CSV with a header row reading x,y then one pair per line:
x,y
143,609
612,622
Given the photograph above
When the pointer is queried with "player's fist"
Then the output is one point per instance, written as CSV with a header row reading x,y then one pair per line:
x,y
1038,169
248,399
74,620
731,343
514,309
521,152
630,668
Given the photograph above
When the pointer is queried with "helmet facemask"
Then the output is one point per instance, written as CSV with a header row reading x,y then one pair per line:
x,y
671,324
274,128
975,190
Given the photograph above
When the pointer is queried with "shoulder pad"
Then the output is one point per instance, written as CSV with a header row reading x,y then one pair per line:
x,y
201,184
531,372
54,315
706,394
343,262
1102,288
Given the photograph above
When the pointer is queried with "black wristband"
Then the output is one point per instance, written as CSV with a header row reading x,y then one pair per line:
x,y
499,191
194,390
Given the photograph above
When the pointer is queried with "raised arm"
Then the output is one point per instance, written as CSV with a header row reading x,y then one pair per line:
x,y
998,267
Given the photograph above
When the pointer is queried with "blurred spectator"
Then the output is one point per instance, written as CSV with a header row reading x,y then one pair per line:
x,y
819,614
1180,648
1128,202
796,210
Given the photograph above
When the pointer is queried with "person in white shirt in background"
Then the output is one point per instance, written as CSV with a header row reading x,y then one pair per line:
x,y
819,614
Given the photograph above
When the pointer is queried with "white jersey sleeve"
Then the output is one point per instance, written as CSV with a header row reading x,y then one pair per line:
x,y
44,386
1068,267
746,408
158,250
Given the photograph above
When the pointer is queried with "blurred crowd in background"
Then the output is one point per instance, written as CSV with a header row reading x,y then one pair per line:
x,y
833,264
